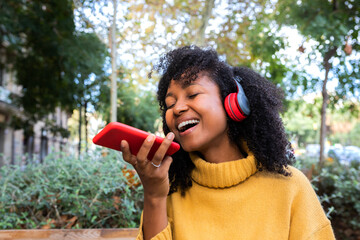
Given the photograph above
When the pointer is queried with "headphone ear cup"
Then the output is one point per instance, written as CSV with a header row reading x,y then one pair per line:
x,y
232,108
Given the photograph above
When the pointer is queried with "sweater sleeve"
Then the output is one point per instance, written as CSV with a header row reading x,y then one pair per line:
x,y
308,219
165,234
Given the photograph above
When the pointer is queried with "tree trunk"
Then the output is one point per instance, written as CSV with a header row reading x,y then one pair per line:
x,y
200,37
323,119
113,66
29,141
12,147
86,126
2,142
327,66
80,125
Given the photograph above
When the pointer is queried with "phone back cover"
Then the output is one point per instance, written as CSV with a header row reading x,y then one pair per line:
x,y
113,133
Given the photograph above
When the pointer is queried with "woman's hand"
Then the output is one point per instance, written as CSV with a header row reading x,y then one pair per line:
x,y
155,179
153,174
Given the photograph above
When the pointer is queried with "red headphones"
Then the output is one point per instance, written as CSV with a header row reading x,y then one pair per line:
x,y
237,104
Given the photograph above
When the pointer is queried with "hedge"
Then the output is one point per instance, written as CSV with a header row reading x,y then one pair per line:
x,y
94,191
338,188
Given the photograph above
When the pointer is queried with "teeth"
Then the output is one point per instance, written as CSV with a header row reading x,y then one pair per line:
x,y
181,125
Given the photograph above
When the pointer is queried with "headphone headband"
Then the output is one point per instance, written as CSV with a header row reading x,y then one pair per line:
x,y
242,99
238,79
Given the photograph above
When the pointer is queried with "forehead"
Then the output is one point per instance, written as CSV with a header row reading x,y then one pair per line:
x,y
203,80
187,79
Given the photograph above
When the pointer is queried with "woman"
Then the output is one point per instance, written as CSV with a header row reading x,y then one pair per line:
x,y
232,177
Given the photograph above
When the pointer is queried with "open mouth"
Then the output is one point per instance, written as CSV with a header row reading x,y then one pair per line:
x,y
183,126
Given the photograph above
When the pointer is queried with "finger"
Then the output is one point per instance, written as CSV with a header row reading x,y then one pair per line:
x,y
127,156
165,164
160,153
145,149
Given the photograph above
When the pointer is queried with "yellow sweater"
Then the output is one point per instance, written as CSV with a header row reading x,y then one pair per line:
x,y
233,200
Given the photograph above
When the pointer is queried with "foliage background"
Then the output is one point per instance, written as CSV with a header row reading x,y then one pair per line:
x,y
60,52
67,192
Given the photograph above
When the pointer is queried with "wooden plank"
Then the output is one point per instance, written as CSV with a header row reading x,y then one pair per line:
x,y
70,234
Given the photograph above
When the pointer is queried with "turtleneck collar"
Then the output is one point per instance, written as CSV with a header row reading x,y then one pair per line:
x,y
222,175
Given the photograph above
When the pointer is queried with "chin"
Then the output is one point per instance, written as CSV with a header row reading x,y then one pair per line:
x,y
190,147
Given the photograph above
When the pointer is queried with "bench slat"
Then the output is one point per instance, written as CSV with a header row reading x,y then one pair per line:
x,y
69,234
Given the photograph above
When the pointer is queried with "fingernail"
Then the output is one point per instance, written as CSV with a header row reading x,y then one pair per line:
x,y
122,144
150,138
170,136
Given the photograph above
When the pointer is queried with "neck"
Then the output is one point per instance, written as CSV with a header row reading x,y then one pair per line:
x,y
224,152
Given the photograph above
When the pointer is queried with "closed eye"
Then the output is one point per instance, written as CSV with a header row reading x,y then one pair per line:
x,y
169,103
171,106
193,95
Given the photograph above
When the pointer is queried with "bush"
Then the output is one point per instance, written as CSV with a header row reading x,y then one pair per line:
x,y
67,192
338,188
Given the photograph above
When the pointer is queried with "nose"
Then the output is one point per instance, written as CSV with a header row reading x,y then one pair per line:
x,y
180,107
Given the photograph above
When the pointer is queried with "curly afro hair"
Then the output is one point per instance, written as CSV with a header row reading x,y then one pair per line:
x,y
262,130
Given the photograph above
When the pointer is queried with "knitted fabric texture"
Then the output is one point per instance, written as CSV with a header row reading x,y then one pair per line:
x,y
232,200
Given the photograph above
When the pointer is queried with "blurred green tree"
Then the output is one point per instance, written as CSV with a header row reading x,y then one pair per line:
x,y
90,57
55,65
301,120
247,36
137,106
36,33
334,28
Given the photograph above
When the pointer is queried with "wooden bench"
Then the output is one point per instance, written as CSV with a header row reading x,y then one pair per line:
x,y
70,234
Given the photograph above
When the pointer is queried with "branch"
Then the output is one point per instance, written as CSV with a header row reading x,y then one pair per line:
x,y
200,38
80,8
328,56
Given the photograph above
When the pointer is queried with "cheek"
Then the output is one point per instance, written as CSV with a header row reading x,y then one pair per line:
x,y
169,119
218,116
216,106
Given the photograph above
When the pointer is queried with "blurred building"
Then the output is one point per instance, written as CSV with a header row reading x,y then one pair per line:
x,y
16,147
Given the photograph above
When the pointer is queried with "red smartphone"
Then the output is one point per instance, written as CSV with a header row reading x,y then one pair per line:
x,y
113,133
